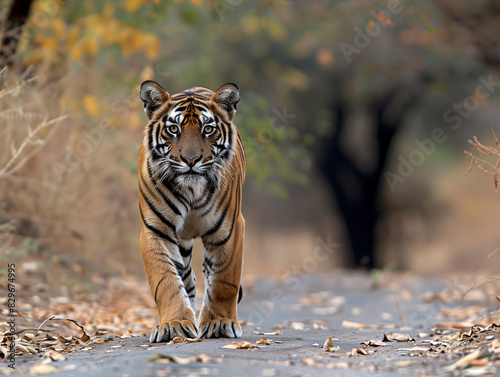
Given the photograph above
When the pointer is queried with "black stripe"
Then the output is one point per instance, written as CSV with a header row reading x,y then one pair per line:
x,y
208,263
156,231
193,288
165,198
158,131
186,273
156,212
150,142
157,285
178,266
177,195
185,252
207,198
222,127
230,284
223,241
230,137
240,294
220,202
219,222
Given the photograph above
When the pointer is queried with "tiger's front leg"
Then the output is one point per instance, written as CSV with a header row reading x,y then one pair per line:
x,y
222,267
164,267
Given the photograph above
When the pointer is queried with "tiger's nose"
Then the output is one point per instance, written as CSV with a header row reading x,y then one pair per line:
x,y
191,160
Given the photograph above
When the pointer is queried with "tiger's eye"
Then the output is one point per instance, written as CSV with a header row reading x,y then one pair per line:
x,y
173,129
208,130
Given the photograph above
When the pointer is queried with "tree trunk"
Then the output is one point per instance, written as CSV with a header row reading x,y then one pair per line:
x,y
357,191
12,30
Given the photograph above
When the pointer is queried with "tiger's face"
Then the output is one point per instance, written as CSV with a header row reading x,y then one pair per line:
x,y
190,136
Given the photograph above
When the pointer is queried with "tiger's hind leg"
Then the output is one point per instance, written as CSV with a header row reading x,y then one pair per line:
x,y
164,266
222,267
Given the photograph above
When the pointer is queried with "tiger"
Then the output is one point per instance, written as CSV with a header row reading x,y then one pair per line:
x,y
191,172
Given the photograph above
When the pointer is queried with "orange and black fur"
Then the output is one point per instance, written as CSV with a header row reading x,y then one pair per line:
x,y
191,173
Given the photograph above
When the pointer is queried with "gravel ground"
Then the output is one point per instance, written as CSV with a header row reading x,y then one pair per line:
x,y
305,310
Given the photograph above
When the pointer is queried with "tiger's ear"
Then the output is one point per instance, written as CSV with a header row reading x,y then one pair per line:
x,y
227,97
153,96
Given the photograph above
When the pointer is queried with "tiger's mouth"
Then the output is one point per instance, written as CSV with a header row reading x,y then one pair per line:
x,y
191,177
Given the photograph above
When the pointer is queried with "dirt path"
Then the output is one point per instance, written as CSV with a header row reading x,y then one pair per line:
x,y
305,310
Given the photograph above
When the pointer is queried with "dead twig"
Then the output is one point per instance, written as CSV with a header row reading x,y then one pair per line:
x,y
487,158
15,162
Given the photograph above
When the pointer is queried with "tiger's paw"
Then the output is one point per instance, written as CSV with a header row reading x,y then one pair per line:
x,y
167,331
220,328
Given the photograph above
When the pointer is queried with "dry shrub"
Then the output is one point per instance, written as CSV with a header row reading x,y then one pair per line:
x,y
67,178
487,159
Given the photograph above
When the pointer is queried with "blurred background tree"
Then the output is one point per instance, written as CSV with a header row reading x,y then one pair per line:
x,y
338,99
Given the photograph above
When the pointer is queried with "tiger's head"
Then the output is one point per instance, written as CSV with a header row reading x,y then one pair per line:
x,y
190,136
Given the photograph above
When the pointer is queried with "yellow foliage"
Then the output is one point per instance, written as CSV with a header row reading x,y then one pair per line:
x,y
86,35
76,51
90,105
296,78
251,25
58,25
91,46
277,31
153,47
133,5
50,44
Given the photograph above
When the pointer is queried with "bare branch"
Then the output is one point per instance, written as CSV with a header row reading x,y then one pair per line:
x,y
16,162
487,159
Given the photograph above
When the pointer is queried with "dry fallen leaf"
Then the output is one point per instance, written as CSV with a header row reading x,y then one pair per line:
x,y
202,358
395,337
308,361
246,323
454,325
352,325
495,346
464,360
243,345
319,327
416,348
297,325
6,371
373,343
328,346
264,341
43,368
54,356
267,333
405,363
360,351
